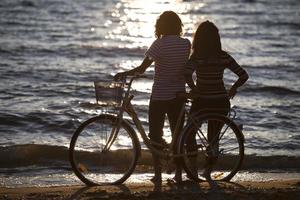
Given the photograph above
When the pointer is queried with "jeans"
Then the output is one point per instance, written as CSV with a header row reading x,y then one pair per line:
x,y
158,109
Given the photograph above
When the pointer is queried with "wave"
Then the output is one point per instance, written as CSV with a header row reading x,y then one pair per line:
x,y
226,12
4,51
46,155
271,89
49,122
31,154
74,51
272,67
28,4
91,51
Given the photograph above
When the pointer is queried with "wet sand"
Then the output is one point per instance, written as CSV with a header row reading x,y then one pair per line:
x,y
275,190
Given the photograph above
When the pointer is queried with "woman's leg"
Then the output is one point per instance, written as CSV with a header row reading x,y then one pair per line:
x,y
213,132
191,140
215,127
174,109
156,123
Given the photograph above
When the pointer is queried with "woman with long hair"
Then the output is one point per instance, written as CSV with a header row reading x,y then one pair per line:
x,y
209,61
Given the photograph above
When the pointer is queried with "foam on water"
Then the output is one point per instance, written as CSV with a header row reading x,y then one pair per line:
x,y
56,178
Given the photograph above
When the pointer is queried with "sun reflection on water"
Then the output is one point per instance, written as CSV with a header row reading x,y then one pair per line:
x,y
134,20
132,25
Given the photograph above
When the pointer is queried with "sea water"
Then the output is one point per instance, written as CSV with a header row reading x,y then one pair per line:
x,y
51,52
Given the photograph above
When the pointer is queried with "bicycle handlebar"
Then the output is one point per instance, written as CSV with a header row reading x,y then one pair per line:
x,y
123,79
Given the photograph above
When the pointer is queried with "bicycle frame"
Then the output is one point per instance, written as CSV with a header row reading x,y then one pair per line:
x,y
127,107
110,126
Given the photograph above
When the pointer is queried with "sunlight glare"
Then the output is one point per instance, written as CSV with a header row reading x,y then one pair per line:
x,y
136,20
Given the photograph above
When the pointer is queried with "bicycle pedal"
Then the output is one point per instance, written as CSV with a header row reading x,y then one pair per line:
x,y
82,168
219,175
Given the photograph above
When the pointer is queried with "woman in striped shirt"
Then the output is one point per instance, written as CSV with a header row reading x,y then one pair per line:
x,y
209,61
170,53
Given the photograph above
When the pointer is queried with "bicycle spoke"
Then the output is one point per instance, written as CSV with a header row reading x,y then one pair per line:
x,y
228,150
99,157
223,132
199,129
224,152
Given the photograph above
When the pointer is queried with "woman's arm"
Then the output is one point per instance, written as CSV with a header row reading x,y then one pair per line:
x,y
242,79
145,64
232,91
241,73
188,74
138,70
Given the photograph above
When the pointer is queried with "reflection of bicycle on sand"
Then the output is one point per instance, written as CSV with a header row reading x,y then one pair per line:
x,y
105,149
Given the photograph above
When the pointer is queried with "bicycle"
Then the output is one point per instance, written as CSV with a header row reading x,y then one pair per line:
x,y
105,149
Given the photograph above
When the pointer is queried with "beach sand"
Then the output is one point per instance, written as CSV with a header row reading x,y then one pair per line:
x,y
275,190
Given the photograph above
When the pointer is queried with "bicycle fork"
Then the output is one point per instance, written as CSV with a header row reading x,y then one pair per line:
x,y
116,127
111,139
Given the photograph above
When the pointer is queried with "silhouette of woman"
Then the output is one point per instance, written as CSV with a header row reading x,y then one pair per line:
x,y
170,53
209,61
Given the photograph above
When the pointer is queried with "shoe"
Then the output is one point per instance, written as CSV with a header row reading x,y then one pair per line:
x,y
178,175
193,167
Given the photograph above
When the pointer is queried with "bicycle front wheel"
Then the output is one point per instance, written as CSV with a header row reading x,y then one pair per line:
x,y
211,145
101,154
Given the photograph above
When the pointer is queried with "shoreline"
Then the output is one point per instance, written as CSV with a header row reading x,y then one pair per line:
x,y
276,189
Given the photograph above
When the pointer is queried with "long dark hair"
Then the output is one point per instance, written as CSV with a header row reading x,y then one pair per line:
x,y
168,23
207,42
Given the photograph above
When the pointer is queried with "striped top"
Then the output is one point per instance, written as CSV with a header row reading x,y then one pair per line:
x,y
170,54
210,72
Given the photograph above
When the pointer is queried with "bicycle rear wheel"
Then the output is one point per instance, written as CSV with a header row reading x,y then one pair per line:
x,y
100,154
222,154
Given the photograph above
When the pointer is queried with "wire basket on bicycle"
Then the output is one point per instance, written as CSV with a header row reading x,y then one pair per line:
x,y
109,94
